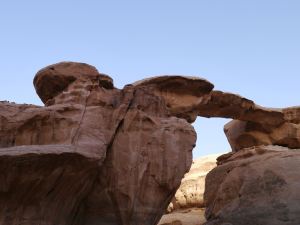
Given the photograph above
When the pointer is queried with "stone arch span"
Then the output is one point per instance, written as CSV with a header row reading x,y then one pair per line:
x,y
95,154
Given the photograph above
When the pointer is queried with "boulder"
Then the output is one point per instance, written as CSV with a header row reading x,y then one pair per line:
x,y
94,154
259,185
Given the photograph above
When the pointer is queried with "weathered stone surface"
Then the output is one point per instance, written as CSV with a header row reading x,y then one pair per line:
x,y
54,79
253,125
96,154
259,185
181,94
193,216
243,134
228,105
191,190
93,155
292,114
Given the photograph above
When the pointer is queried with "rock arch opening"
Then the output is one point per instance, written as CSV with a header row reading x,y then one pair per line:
x,y
211,138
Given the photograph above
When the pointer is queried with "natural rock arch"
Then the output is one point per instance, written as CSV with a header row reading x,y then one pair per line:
x,y
96,154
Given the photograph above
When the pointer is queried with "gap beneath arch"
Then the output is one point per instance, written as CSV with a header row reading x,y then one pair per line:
x,y
211,138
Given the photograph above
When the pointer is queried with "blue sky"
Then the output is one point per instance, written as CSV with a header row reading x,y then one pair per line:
x,y
250,47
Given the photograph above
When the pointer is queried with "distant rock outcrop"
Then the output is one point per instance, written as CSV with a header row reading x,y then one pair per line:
x,y
187,206
191,191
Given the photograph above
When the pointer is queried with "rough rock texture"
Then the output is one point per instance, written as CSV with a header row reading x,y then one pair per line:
x,y
181,94
98,155
192,216
191,190
228,105
253,125
244,134
187,205
259,185
95,154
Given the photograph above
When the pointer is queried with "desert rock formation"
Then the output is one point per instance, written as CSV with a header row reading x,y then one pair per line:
x,y
96,154
245,134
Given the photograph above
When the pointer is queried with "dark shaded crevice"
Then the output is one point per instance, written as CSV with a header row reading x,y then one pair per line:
x,y
79,216
120,123
58,179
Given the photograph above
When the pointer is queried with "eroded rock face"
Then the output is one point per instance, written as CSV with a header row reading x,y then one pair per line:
x,y
228,105
245,134
94,155
181,94
259,185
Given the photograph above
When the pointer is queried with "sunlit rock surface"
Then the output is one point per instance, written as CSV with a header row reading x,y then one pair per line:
x,y
99,155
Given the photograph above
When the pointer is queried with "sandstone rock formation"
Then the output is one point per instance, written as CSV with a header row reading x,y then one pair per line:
x,y
228,105
94,154
259,185
181,94
191,190
244,134
253,125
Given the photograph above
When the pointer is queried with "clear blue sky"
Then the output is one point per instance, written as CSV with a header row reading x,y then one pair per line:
x,y
250,47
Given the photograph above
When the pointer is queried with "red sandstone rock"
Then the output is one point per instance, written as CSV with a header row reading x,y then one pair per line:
x,y
228,105
99,155
93,155
255,186
243,134
181,94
